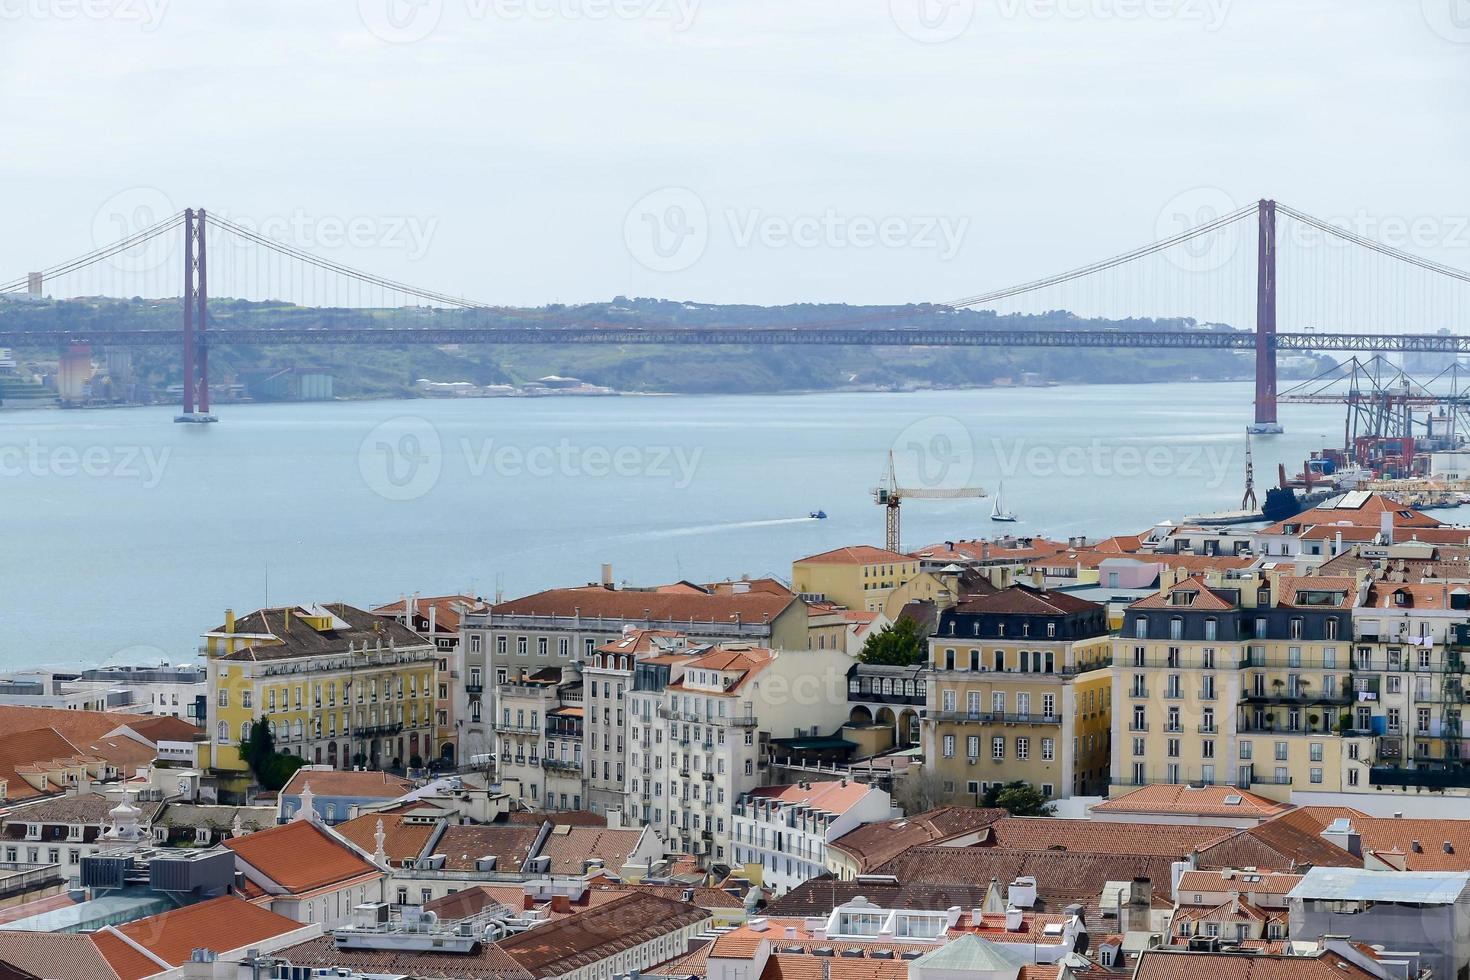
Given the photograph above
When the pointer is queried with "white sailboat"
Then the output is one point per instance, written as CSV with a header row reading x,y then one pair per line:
x,y
999,512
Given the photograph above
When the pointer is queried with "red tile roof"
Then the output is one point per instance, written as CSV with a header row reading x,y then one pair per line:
x,y
339,782
593,602
222,924
569,847
300,856
875,843
1205,801
1168,963
860,554
835,796
62,956
569,944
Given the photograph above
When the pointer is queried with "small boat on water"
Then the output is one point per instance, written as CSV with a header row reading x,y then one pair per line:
x,y
999,512
818,515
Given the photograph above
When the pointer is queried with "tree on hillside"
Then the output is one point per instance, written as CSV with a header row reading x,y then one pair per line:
x,y
1019,798
899,644
272,769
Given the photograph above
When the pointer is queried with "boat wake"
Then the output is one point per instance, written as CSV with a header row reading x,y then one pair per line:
x,y
679,532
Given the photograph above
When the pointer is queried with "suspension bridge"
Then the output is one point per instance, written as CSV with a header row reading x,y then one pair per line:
x,y
1210,276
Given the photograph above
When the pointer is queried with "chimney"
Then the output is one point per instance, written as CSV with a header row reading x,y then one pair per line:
x,y
561,904
1385,526
607,575
229,620
433,618
1013,919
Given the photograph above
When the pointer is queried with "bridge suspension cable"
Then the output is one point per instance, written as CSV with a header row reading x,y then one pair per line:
x,y
327,265
1395,253
1153,248
102,254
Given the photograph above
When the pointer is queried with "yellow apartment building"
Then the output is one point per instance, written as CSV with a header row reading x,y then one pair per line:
x,y
1020,690
338,685
1243,679
860,577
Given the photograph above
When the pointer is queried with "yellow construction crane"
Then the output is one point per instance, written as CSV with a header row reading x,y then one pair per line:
x,y
890,497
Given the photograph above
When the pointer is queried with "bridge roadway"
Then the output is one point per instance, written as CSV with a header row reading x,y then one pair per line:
x,y
849,337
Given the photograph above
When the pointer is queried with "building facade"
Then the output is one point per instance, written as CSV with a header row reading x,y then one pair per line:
x,y
781,832
338,686
1019,690
1248,681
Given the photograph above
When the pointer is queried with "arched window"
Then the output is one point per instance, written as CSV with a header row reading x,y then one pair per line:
x,y
244,730
224,732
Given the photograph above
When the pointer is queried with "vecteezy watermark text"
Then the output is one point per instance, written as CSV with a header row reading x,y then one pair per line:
x,y
669,229
147,14
403,459
144,465
409,21
568,459
1209,466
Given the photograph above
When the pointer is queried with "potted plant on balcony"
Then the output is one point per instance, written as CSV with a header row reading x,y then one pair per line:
x,y
1345,722
1276,685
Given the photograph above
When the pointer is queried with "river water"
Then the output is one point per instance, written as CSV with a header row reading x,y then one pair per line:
x,y
125,535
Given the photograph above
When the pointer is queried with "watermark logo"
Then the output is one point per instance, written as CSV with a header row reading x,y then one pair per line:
x,y
1205,466
1194,209
1210,14
1450,19
147,14
401,459
670,229
934,454
127,213
143,465
932,21
667,230
410,21
572,461
940,234
1424,232
409,234
400,21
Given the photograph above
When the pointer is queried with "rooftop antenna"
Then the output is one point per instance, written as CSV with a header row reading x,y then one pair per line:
x,y
1248,502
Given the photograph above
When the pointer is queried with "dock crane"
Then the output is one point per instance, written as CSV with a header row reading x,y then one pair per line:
x,y
890,497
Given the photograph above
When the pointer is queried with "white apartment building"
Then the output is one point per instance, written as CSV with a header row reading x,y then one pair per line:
x,y
699,726
781,832
539,738
607,675
561,627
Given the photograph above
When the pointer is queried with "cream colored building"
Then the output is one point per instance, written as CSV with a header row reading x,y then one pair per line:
x,y
1244,679
859,577
1019,691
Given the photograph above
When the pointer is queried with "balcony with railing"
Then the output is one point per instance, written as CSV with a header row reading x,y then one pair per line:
x,y
997,718
377,731
562,765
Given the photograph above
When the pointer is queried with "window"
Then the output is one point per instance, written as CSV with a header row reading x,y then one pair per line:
x,y
1023,748
972,747
948,748
998,747
1048,750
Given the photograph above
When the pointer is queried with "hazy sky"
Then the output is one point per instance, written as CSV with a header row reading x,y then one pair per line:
x,y
763,151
